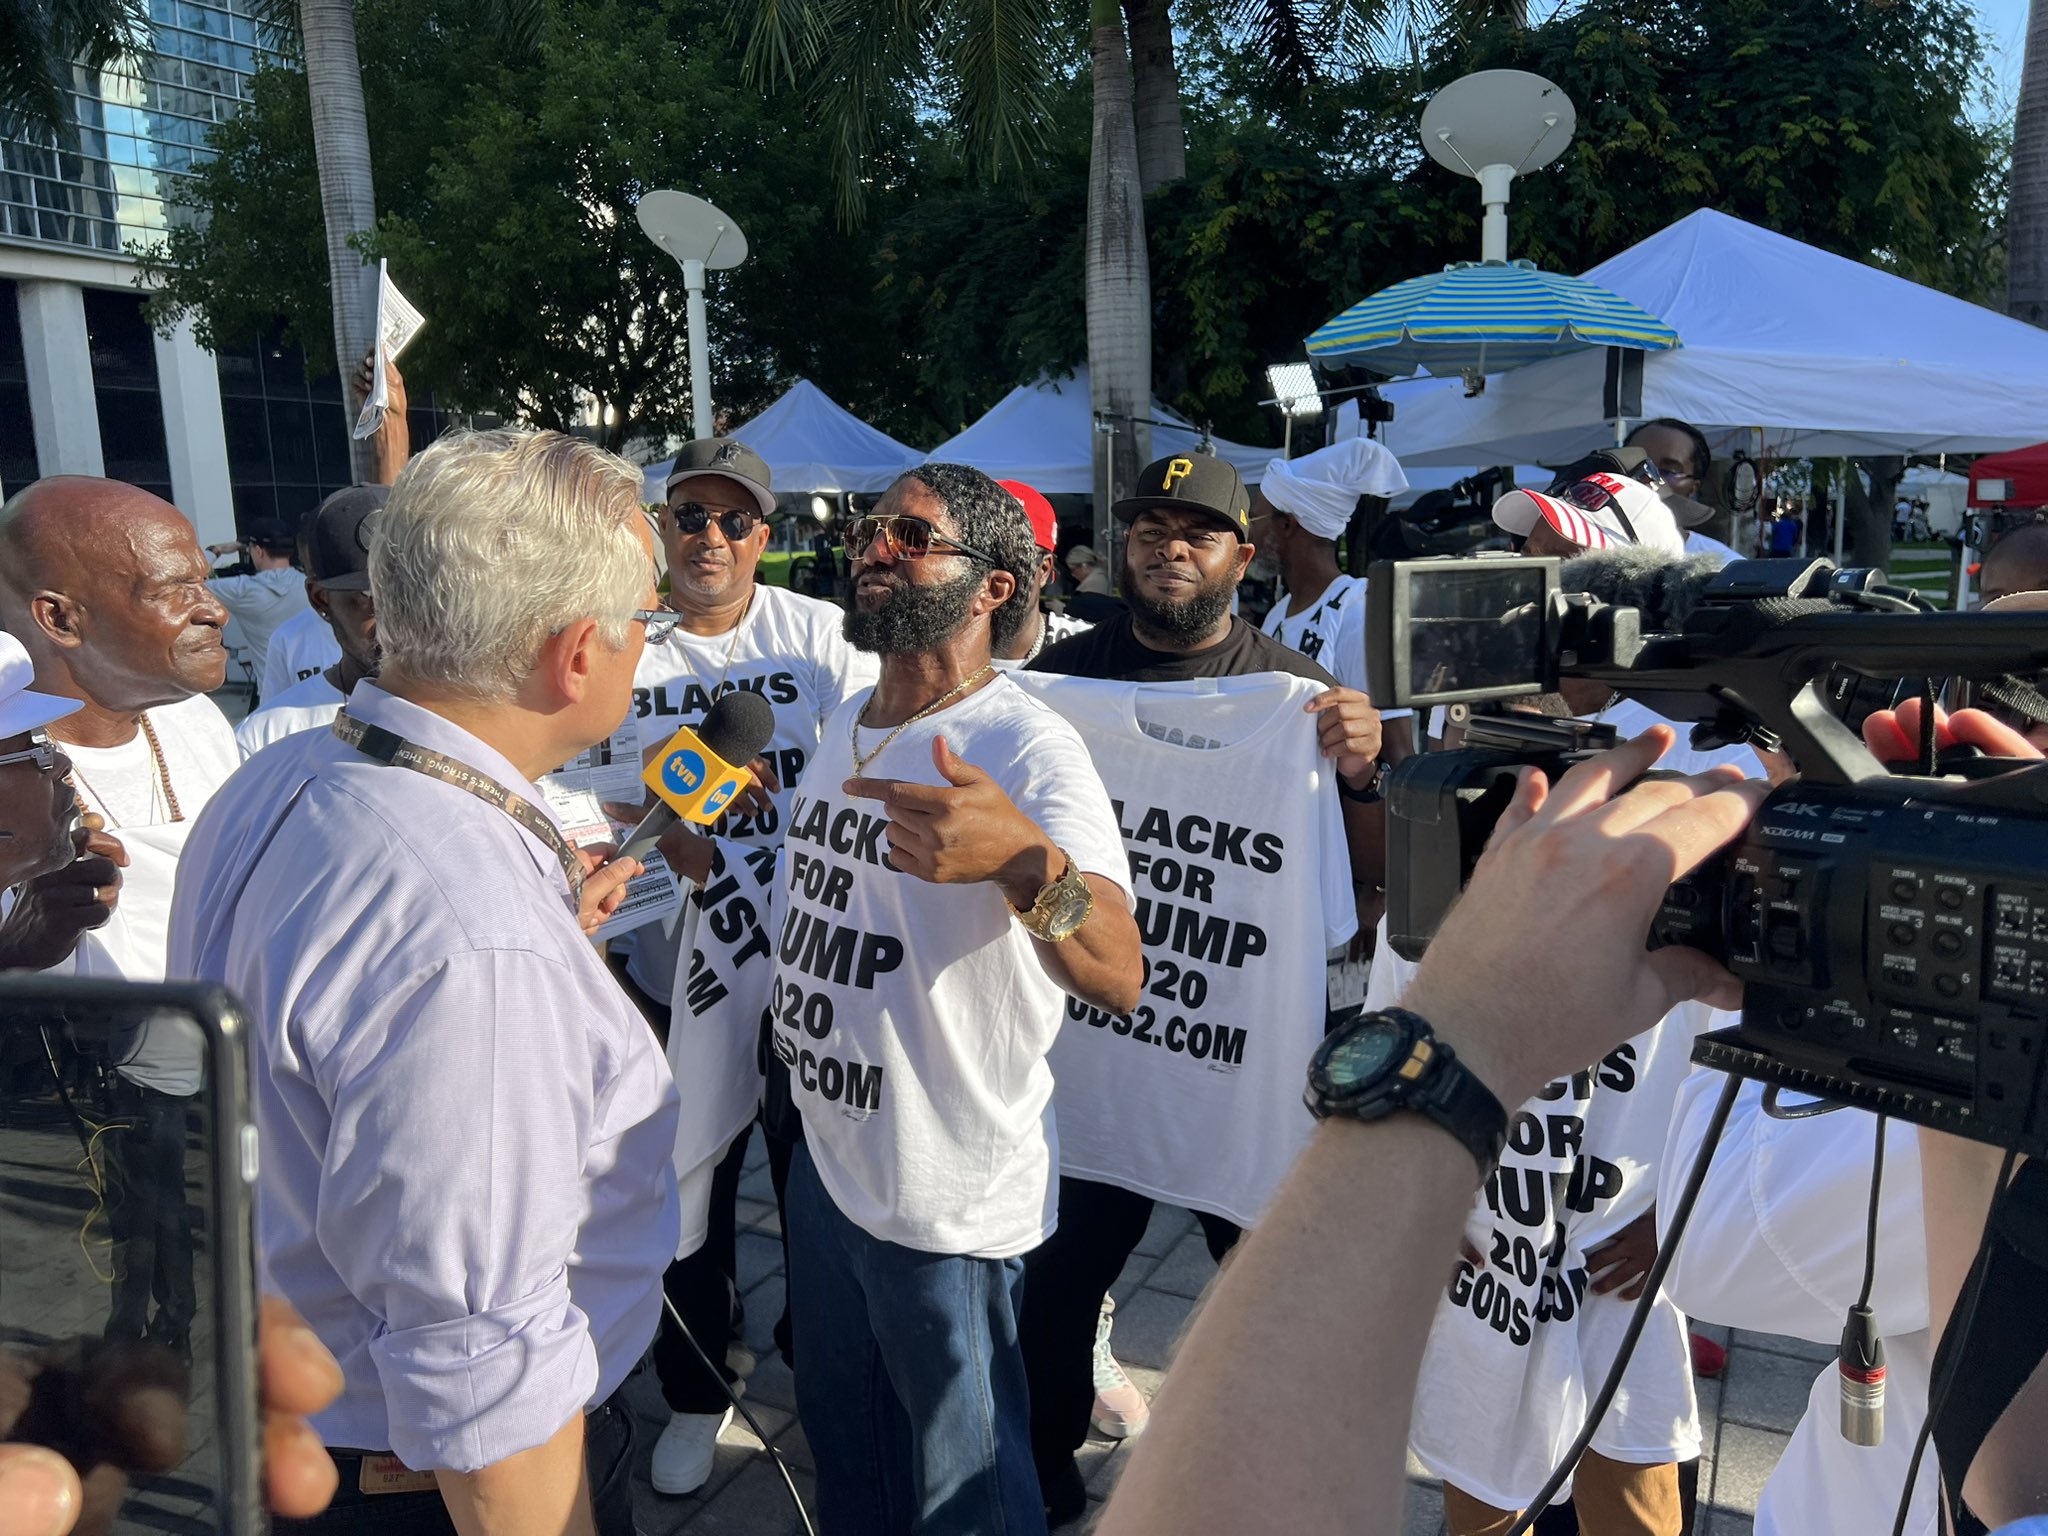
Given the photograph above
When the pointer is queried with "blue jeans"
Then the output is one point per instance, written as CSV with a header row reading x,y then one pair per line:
x,y
912,1389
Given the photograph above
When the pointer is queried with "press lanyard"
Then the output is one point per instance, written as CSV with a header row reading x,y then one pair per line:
x,y
395,751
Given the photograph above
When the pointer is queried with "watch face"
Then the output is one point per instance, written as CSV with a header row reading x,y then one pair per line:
x,y
1364,1057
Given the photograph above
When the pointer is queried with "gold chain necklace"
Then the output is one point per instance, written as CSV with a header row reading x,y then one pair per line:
x,y
860,762
731,650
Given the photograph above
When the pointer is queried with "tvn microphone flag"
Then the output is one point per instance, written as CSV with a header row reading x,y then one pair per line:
x,y
699,772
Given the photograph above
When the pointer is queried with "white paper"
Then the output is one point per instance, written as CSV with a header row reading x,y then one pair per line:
x,y
397,323
653,896
612,767
577,808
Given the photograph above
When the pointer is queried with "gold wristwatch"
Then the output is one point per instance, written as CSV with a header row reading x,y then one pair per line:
x,y
1062,906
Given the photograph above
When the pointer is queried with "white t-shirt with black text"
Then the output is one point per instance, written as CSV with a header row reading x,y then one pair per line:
x,y
303,645
1330,632
308,705
123,784
1230,816
791,650
916,1018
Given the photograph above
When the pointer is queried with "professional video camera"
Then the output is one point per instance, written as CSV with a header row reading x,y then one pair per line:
x,y
1891,929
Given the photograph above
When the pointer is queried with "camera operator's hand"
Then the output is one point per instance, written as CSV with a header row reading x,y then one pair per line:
x,y
51,911
1893,735
1540,966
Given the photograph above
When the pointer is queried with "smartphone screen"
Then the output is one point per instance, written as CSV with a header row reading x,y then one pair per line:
x,y
126,1280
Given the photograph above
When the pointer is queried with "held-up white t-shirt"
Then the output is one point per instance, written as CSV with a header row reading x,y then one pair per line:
x,y
308,705
1776,1244
1520,1341
303,645
791,650
916,1018
714,1032
122,784
1236,840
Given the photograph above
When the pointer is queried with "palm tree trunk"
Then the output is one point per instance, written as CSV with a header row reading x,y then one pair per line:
x,y
2026,214
1118,277
341,145
1162,141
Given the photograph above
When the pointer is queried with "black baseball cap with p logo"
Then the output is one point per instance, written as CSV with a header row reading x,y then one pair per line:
x,y
1191,482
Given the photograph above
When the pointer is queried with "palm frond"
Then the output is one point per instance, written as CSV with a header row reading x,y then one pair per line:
x,y
874,46
999,58
782,40
41,40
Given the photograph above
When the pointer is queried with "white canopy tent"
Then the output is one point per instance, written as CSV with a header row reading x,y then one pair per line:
x,y
1786,350
1044,435
812,443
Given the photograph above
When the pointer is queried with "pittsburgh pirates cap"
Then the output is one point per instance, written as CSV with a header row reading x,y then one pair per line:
x,y
1191,482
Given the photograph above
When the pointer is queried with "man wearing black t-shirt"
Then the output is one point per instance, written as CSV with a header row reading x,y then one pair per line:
x,y
1185,553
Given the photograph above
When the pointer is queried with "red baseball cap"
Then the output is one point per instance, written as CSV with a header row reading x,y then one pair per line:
x,y
1045,528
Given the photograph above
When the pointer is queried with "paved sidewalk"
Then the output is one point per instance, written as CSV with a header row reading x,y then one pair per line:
x,y
1747,1415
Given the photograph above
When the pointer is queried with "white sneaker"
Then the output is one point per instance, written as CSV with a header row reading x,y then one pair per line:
x,y
1120,1408
684,1453
739,1359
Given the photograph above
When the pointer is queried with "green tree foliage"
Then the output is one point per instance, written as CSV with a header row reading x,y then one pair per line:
x,y
504,188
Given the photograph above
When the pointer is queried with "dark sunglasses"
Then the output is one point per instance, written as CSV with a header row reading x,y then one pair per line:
x,y
906,538
1591,496
41,751
692,517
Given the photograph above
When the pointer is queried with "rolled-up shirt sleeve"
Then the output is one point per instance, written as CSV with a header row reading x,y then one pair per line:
x,y
452,1190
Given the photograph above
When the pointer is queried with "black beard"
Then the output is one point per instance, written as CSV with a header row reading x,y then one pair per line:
x,y
1184,619
912,618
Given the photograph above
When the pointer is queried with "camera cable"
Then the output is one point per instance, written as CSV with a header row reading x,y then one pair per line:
x,y
1653,1284
753,1423
1859,1361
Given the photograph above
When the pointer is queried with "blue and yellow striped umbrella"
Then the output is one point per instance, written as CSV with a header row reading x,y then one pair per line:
x,y
1476,318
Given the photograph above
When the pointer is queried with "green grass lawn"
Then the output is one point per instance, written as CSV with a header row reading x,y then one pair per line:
x,y
1930,569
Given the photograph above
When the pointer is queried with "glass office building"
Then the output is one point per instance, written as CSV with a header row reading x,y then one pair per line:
x,y
85,386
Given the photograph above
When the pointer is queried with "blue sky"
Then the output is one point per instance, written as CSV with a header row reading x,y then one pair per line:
x,y
2005,32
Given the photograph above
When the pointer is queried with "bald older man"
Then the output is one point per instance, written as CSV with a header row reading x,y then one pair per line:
x,y
105,586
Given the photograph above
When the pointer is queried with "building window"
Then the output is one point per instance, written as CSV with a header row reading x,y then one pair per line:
x,y
124,387
17,426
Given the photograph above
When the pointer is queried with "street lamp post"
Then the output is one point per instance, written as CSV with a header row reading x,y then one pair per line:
x,y
701,239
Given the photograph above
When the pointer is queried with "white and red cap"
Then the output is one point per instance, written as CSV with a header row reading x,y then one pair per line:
x,y
21,707
1602,511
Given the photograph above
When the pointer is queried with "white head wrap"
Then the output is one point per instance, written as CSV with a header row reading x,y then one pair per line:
x,y
1321,489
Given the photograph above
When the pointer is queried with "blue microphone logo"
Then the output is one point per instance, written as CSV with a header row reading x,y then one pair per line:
x,y
717,800
683,772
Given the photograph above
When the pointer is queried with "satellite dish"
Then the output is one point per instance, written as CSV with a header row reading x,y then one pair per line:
x,y
1494,126
690,229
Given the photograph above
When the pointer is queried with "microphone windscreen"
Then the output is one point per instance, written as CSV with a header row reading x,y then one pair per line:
x,y
737,728
1667,590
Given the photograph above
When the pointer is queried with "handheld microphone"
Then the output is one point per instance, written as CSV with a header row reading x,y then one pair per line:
x,y
699,772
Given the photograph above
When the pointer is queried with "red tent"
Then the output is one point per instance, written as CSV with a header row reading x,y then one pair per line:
x,y
2015,478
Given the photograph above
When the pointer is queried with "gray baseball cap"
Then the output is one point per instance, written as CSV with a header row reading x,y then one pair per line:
x,y
727,457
